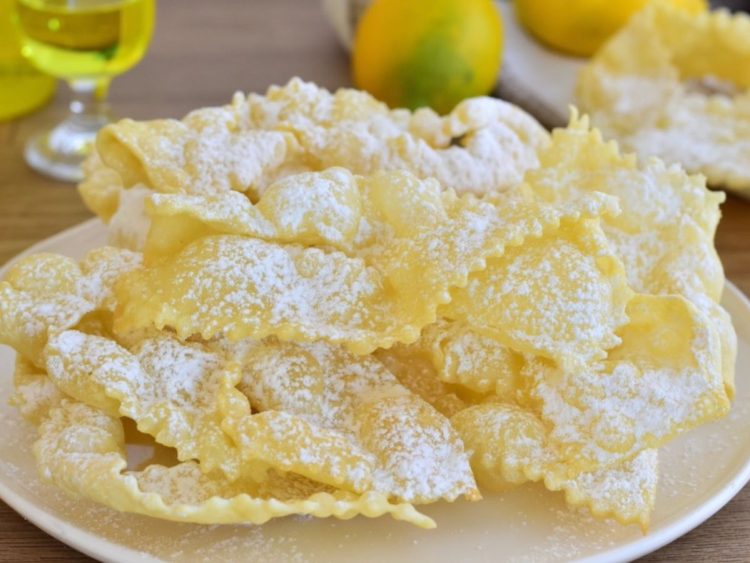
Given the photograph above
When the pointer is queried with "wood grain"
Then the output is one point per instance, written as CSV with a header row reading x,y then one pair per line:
x,y
201,52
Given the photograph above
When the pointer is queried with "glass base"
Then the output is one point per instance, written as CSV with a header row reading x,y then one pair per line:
x,y
44,159
60,152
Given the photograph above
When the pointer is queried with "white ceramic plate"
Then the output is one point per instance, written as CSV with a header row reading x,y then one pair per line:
x,y
700,473
538,79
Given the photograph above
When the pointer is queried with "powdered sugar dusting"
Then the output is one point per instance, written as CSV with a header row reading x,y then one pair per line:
x,y
129,225
416,455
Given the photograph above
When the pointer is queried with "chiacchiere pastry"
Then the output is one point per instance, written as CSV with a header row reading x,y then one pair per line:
x,y
311,339
677,86
483,145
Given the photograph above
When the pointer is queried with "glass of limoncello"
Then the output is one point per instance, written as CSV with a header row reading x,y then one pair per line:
x,y
86,43
22,87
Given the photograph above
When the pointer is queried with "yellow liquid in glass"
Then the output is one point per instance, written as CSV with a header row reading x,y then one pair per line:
x,y
22,87
85,39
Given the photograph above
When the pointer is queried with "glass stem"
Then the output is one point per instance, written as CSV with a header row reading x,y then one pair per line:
x,y
89,112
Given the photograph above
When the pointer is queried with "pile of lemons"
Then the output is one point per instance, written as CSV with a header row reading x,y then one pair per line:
x,y
428,52
580,27
414,53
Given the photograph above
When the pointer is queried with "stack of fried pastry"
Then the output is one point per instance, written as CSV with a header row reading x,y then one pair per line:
x,y
677,85
326,307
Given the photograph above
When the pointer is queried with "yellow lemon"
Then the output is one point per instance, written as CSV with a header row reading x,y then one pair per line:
x,y
580,27
413,53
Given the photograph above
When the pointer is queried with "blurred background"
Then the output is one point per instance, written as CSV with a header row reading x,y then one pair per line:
x,y
200,52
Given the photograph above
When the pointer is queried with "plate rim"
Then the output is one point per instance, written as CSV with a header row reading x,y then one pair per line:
x,y
101,549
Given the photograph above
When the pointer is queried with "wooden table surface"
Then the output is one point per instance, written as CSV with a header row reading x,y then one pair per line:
x,y
202,52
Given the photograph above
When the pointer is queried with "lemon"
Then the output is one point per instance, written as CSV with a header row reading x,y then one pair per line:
x,y
414,53
580,27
